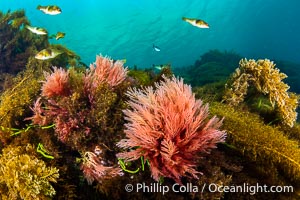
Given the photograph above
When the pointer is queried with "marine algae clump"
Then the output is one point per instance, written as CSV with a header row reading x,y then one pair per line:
x,y
267,79
15,101
266,145
23,176
82,106
166,126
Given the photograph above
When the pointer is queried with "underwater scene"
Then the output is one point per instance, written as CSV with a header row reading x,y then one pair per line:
x,y
149,99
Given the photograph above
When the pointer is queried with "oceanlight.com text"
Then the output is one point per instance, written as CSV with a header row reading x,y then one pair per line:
x,y
212,187
251,189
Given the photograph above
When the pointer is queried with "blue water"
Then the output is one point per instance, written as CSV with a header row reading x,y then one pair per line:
x,y
128,28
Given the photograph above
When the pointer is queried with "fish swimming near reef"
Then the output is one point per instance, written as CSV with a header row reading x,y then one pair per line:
x,y
50,10
48,53
121,60
158,67
37,30
156,48
196,22
161,67
58,35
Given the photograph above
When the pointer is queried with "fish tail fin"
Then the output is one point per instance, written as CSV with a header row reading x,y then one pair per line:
x,y
184,18
39,7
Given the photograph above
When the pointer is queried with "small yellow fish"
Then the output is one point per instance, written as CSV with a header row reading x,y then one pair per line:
x,y
121,60
48,53
59,35
37,30
196,22
50,10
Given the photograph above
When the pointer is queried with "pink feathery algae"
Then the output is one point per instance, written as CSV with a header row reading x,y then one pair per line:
x,y
38,117
94,169
106,70
169,128
79,103
56,83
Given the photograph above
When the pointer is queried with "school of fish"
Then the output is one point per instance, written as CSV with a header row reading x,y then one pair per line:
x,y
50,53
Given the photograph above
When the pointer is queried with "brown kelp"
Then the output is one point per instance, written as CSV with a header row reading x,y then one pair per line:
x,y
269,147
16,43
15,100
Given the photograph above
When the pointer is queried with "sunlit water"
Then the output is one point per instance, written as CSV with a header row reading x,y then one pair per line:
x,y
127,29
